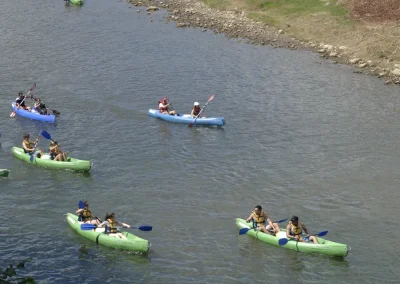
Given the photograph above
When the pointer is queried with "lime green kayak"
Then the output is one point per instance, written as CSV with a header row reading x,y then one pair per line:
x,y
45,161
76,2
4,172
324,247
132,243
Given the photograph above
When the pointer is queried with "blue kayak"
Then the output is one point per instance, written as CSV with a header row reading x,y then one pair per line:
x,y
34,115
187,118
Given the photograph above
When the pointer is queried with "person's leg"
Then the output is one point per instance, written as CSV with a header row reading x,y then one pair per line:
x,y
276,227
263,229
314,239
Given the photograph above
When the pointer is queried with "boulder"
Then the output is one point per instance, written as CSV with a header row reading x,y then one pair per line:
x,y
396,72
152,8
354,60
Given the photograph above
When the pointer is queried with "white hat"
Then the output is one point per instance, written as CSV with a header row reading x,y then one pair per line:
x,y
196,104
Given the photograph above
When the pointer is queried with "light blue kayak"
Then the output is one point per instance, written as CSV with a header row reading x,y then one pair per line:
x,y
187,118
33,115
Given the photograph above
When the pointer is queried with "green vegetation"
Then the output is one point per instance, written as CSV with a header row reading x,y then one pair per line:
x,y
8,275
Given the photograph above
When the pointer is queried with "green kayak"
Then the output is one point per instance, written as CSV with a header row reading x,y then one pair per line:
x,y
76,2
324,246
45,161
132,243
4,172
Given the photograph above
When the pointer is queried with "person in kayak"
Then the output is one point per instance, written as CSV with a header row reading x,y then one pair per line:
x,y
30,147
85,215
20,102
55,153
111,226
195,110
40,107
260,219
163,107
294,230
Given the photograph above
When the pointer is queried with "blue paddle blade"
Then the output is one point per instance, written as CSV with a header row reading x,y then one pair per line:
x,y
45,134
145,228
243,231
321,234
283,241
280,221
88,227
81,205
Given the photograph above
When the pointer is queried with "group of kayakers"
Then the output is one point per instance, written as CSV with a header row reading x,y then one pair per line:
x,y
110,224
38,106
165,107
54,149
294,229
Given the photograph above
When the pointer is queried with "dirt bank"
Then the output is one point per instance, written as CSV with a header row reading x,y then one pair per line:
x,y
351,44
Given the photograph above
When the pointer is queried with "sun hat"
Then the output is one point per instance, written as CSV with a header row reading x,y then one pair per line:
x,y
196,104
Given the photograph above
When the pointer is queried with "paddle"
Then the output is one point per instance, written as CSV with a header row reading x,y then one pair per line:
x,y
88,227
32,157
245,230
209,100
12,114
284,241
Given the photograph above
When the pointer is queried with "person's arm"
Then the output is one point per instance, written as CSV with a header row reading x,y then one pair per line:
x,y
250,217
305,229
192,113
120,224
105,223
79,211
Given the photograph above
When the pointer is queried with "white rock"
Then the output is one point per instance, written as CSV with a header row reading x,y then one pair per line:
x,y
396,71
397,66
152,8
280,32
328,46
342,47
333,54
362,65
321,50
354,60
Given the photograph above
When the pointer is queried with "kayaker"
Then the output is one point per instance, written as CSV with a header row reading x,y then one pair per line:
x,y
111,226
163,107
195,109
29,146
260,219
294,230
55,153
85,215
20,101
40,107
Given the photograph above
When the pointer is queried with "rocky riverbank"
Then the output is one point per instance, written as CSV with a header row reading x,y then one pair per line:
x,y
236,24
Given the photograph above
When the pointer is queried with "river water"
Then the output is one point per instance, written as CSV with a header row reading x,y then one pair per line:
x,y
303,137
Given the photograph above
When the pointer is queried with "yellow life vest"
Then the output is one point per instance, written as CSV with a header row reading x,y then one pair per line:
x,y
28,144
259,218
86,214
54,150
295,230
112,228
